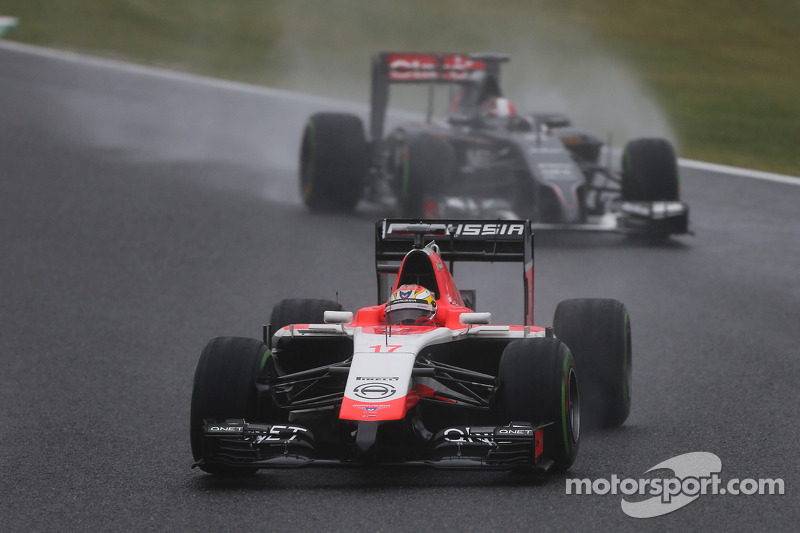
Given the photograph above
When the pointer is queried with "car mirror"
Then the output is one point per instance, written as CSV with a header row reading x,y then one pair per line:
x,y
338,317
475,318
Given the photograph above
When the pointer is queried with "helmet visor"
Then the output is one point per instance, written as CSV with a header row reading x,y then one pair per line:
x,y
408,312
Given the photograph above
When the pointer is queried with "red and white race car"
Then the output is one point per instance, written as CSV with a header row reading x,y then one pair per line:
x,y
420,378
474,155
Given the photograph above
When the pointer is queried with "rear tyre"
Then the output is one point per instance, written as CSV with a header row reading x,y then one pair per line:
x,y
598,332
225,387
537,382
649,171
428,165
301,311
334,158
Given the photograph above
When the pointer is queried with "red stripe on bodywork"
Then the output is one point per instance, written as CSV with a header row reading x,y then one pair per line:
x,y
396,409
538,443
354,409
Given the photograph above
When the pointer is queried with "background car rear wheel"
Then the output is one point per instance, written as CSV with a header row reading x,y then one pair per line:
x,y
225,387
334,159
598,332
537,382
649,171
428,166
301,311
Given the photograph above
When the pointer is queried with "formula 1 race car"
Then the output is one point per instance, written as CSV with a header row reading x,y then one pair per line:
x,y
479,158
420,378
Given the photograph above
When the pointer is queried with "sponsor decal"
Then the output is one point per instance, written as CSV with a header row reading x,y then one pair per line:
x,y
224,429
491,436
420,67
692,475
488,229
386,348
476,229
280,434
371,408
369,378
406,67
374,391
384,409
464,435
515,431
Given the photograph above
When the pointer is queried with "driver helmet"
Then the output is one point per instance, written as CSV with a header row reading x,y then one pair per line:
x,y
498,108
410,304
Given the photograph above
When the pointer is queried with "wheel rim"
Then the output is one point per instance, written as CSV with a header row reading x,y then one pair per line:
x,y
573,405
307,155
628,360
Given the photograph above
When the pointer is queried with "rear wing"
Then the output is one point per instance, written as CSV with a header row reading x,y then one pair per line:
x,y
501,241
414,67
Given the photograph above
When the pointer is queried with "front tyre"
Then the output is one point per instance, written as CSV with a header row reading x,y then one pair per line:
x,y
427,167
225,387
598,332
537,383
650,171
334,158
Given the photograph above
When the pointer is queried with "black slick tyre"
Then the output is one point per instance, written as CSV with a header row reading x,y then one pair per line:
x,y
650,171
225,388
537,382
598,332
427,167
334,158
301,311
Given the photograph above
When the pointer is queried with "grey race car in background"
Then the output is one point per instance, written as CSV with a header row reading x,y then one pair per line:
x,y
472,163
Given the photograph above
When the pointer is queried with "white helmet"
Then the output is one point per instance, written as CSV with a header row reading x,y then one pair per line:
x,y
409,304
498,108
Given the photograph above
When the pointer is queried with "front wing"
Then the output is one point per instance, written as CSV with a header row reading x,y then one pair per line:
x,y
237,443
632,218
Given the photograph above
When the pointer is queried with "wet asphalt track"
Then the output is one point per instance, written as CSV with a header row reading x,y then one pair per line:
x,y
142,215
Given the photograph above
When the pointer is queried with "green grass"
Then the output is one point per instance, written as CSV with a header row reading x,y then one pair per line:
x,y
720,77
728,72
226,39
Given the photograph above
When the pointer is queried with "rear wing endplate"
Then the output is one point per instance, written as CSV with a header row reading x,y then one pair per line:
x,y
458,240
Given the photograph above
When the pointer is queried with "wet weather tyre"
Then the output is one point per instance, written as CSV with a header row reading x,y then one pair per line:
x,y
301,311
650,171
334,158
598,332
224,388
427,167
537,382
